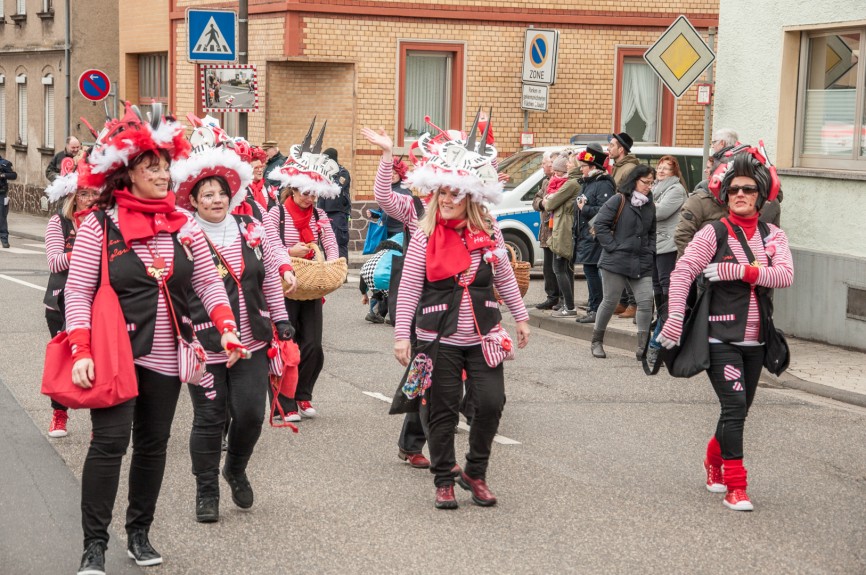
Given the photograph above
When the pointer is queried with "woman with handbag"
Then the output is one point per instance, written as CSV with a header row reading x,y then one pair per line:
x,y
156,255
59,240
626,229
741,263
212,182
295,225
453,262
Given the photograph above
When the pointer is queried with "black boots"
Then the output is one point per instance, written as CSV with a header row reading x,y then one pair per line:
x,y
207,509
597,344
140,549
235,475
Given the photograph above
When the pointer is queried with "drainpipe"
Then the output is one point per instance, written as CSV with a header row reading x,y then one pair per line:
x,y
67,55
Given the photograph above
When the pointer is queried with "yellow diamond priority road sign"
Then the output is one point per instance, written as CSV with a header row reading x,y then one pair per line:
x,y
679,56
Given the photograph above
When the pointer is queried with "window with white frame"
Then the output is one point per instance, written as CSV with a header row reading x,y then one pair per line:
x,y
21,7
831,105
640,101
2,108
47,5
22,109
428,91
48,113
2,10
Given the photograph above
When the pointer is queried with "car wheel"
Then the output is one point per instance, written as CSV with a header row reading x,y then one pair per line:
x,y
519,245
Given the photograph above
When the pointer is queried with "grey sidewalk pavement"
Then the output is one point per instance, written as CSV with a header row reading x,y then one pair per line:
x,y
822,369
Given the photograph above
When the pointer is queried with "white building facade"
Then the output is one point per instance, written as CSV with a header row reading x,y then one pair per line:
x,y
793,74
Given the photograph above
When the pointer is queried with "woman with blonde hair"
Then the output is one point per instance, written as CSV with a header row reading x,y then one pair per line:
x,y
455,258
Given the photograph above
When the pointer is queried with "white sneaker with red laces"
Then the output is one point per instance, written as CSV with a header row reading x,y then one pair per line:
x,y
714,478
306,409
737,500
58,424
292,417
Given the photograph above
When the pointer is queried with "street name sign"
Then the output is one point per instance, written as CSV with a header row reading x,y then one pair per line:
x,y
539,56
212,36
679,56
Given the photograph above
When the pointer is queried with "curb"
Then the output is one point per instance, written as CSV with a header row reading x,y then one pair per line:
x,y
26,236
843,395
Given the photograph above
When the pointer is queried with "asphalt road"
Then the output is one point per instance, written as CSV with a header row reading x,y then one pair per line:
x,y
243,98
602,474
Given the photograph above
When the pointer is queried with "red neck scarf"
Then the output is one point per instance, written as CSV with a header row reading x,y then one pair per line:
x,y
301,219
749,224
79,216
447,254
142,219
243,209
258,194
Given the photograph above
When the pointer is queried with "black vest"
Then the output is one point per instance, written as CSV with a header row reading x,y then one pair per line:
x,y
257,212
138,292
440,296
57,280
251,282
729,301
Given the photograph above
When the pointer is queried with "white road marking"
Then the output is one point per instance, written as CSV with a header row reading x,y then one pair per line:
x,y
22,282
353,278
37,246
21,251
500,439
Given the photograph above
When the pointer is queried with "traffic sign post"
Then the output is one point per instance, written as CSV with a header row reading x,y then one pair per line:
x,y
212,36
94,85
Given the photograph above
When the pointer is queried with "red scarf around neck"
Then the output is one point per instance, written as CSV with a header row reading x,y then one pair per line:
x,y
448,248
142,219
749,224
78,217
256,187
301,219
243,209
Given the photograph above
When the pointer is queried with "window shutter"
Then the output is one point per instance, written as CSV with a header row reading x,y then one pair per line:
x,y
48,140
22,113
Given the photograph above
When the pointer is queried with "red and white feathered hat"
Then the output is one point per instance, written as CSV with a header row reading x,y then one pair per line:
x,y
307,169
456,160
130,136
213,156
69,183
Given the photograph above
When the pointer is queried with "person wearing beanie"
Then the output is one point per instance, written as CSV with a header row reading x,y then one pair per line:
x,y
551,287
622,163
339,209
274,162
740,311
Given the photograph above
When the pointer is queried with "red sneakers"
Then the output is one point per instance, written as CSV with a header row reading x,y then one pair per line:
x,y
737,500
58,424
306,409
416,460
715,484
481,494
445,498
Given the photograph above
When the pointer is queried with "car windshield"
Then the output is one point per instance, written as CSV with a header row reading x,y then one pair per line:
x,y
519,167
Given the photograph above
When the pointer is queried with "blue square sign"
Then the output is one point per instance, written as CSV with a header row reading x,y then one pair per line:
x,y
212,35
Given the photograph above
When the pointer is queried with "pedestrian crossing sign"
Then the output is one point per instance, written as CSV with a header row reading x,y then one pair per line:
x,y
212,35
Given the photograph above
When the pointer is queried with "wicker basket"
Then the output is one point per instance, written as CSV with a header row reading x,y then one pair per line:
x,y
317,277
521,273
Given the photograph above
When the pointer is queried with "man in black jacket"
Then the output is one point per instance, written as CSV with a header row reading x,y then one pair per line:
x,y
275,160
73,146
339,209
6,174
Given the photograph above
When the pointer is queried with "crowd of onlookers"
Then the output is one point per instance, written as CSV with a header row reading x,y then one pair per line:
x,y
626,223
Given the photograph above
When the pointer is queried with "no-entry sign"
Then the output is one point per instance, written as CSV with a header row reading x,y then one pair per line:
x,y
94,85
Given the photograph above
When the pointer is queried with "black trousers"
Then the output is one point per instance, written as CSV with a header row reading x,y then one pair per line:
x,y
306,318
340,225
664,265
412,435
441,410
734,372
4,214
242,389
564,270
148,418
551,287
55,322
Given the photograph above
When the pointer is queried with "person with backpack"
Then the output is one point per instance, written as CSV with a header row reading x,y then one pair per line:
x,y
742,258
376,278
626,229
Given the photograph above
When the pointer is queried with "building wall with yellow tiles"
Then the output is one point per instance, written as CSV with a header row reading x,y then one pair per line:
x,y
145,27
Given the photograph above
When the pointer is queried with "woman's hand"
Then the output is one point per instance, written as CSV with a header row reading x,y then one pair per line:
x,y
235,354
299,250
403,351
82,373
381,140
522,334
669,337
291,281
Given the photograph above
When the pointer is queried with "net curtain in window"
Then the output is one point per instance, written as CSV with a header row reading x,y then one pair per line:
x,y
428,87
640,96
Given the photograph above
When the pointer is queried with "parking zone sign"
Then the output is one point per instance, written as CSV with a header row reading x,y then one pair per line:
x,y
539,56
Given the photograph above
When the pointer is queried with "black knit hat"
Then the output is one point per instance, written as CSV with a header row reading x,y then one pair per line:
x,y
331,153
624,140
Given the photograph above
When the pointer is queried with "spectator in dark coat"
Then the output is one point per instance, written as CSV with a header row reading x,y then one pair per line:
x,y
597,188
339,209
629,245
551,287
73,146
6,173
275,160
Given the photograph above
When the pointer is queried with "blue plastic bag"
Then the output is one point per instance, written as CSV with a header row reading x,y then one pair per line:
x,y
382,272
376,232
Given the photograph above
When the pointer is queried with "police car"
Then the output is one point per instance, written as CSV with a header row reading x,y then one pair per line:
x,y
520,223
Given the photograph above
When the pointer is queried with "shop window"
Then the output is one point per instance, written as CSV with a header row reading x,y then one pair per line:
x,y
48,113
430,84
831,128
643,107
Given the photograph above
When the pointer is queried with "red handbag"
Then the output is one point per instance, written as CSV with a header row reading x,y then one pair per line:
x,y
289,355
114,380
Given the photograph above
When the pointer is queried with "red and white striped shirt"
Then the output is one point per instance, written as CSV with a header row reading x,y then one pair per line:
x,y
397,206
84,278
272,289
292,237
55,246
412,284
701,251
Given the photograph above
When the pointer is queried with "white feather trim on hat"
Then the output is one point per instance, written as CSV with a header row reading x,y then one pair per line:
x,y
166,132
61,187
107,157
427,179
305,183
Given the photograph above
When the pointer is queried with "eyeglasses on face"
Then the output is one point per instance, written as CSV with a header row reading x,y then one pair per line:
x,y
647,182
747,190
87,194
